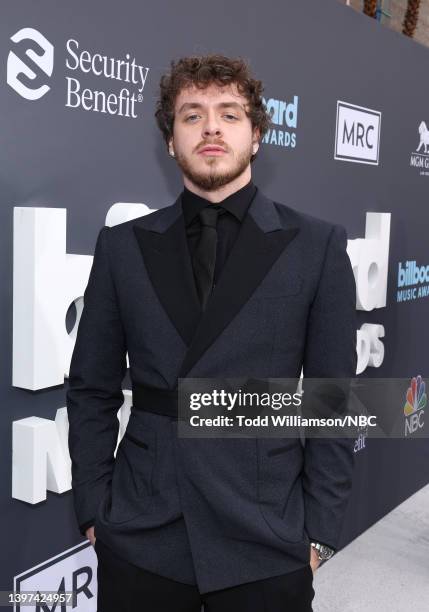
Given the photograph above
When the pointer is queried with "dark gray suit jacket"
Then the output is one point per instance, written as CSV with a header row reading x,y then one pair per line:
x,y
211,512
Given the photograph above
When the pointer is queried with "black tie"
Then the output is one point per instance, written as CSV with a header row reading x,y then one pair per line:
x,y
204,257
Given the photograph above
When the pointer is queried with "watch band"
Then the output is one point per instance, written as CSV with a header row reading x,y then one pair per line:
x,y
324,552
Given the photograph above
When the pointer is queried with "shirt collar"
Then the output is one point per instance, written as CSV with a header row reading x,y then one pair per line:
x,y
237,203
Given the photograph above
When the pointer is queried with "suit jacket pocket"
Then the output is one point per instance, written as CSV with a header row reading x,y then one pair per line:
x,y
280,461
132,482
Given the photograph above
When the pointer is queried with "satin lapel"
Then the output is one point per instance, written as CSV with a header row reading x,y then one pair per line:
x,y
166,256
259,244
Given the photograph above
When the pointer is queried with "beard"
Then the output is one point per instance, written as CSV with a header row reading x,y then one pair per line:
x,y
212,178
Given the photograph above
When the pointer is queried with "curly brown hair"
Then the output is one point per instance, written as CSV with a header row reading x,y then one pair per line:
x,y
202,71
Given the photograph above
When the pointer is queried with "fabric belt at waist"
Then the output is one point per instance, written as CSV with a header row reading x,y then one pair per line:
x,y
166,401
160,401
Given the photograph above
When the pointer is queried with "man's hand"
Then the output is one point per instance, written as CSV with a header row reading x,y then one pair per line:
x,y
90,535
314,559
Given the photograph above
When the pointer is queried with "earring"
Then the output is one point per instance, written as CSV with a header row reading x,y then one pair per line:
x,y
171,152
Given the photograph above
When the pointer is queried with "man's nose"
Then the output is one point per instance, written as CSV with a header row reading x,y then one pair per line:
x,y
211,126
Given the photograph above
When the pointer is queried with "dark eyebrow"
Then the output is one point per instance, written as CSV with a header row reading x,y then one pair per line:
x,y
189,105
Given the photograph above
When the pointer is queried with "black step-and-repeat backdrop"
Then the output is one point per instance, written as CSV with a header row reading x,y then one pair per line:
x,y
80,149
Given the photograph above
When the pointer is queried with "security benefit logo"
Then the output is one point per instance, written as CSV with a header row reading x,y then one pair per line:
x,y
72,573
357,134
360,441
93,81
420,157
284,121
27,76
416,400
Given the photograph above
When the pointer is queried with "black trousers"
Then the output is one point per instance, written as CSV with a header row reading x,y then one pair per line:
x,y
124,587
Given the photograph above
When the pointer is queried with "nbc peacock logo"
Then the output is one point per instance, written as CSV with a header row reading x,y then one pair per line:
x,y
416,400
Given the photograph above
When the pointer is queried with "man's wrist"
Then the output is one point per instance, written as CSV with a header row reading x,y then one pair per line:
x,y
323,551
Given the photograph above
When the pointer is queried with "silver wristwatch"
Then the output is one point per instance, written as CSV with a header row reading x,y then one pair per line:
x,y
323,552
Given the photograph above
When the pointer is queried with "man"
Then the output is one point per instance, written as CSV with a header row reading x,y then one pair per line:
x,y
223,283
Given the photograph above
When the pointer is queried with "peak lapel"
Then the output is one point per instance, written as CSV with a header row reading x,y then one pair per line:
x,y
259,244
163,244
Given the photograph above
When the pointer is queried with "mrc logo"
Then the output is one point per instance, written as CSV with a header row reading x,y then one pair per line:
x,y
357,134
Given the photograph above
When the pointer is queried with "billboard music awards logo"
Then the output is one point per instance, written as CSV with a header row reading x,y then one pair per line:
x,y
420,157
416,400
284,120
413,281
357,134
27,75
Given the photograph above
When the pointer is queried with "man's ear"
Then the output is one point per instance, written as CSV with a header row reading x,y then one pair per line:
x,y
171,147
255,139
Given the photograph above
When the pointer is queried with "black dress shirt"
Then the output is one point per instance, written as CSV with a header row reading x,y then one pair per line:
x,y
234,209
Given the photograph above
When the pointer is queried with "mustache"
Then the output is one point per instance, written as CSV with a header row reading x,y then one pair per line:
x,y
217,143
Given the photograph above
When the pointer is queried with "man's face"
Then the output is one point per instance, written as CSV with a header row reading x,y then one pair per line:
x,y
213,139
